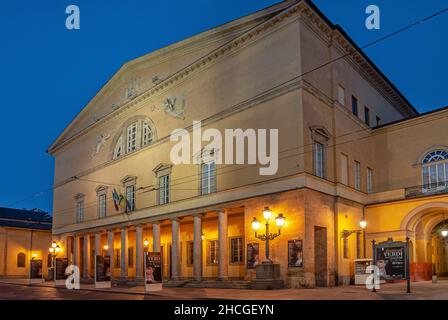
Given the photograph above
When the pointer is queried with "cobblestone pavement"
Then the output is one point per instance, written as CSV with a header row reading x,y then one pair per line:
x,y
14,289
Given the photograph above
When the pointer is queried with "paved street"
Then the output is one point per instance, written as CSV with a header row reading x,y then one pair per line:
x,y
19,290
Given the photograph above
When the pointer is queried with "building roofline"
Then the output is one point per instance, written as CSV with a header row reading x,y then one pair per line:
x,y
419,115
363,54
273,9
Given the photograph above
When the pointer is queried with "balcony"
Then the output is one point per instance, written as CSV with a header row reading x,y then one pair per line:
x,y
427,190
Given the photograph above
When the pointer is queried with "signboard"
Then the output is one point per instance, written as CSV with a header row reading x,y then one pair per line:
x,y
153,271
36,271
253,255
102,272
295,253
390,258
60,276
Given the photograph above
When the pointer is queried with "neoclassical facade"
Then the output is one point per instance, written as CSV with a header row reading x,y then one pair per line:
x,y
350,146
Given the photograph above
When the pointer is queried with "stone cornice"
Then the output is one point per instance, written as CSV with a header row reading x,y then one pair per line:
x,y
200,204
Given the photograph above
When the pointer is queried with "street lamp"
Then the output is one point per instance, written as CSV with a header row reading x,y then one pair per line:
x,y
54,250
279,220
363,225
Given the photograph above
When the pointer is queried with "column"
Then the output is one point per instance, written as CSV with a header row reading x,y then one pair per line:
x,y
197,248
175,246
124,253
86,258
75,260
223,246
156,237
138,252
97,244
110,250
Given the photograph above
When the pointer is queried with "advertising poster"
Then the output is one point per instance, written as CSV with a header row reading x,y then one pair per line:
x,y
102,272
295,253
391,260
253,255
36,271
61,266
153,271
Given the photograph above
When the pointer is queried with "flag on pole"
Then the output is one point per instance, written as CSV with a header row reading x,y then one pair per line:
x,y
116,198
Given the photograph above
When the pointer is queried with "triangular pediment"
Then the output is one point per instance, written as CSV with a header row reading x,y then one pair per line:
x,y
140,75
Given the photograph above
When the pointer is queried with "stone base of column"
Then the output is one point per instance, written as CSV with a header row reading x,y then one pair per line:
x,y
223,278
268,277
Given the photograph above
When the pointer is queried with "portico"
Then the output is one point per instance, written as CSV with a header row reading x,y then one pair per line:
x,y
194,247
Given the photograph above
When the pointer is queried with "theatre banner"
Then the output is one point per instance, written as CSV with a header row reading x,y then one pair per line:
x,y
102,272
153,271
60,276
36,270
295,253
390,258
253,255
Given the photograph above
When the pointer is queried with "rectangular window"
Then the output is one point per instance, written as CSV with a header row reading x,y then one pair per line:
x,y
369,180
367,116
212,251
164,189
357,175
102,205
354,106
130,197
236,250
117,257
318,159
208,177
378,121
131,257
190,253
344,169
80,212
132,137
341,95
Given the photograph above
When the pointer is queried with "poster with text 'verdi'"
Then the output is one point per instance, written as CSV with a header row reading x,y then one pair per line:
x,y
153,268
391,261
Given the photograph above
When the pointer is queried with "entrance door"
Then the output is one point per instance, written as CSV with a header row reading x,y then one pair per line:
x,y
320,256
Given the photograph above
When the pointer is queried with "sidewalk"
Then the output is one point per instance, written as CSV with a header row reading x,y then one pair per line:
x,y
420,290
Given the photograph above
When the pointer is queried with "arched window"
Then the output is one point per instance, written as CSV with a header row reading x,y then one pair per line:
x,y
147,134
118,150
435,170
21,260
136,133
132,137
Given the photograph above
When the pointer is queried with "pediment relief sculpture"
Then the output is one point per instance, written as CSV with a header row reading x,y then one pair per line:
x,y
172,106
100,143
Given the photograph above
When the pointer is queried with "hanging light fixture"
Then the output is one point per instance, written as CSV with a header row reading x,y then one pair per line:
x,y
444,231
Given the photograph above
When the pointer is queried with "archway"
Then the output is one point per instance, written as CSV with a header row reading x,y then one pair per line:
x,y
428,248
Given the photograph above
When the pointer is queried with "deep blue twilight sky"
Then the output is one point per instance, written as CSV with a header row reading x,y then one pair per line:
x,y
49,73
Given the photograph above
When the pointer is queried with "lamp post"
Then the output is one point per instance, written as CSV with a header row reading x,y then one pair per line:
x,y
279,220
363,225
54,250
